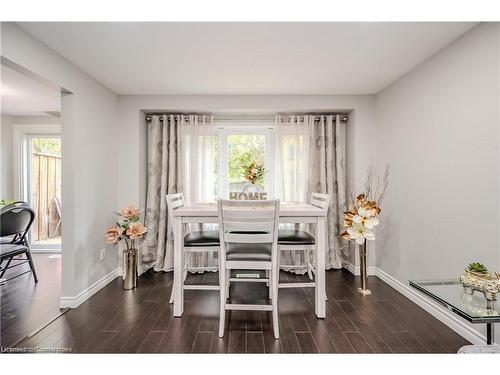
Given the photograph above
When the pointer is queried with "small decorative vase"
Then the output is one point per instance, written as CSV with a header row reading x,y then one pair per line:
x,y
250,188
130,269
363,270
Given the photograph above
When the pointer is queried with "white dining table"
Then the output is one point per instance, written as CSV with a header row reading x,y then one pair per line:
x,y
290,212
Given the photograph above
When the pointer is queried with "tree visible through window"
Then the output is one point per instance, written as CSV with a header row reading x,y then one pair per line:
x,y
243,149
47,146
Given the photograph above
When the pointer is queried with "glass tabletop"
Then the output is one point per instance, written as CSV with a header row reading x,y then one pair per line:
x,y
450,294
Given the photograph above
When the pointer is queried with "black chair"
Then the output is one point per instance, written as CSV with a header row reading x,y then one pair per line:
x,y
15,222
13,204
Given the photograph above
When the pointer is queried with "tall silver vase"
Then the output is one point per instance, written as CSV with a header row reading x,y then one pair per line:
x,y
130,269
363,270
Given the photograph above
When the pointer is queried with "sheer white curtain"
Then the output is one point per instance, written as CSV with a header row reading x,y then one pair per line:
x,y
292,150
200,172
292,157
200,159
310,157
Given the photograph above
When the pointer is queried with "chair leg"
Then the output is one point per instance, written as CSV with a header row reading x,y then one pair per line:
x,y
307,254
185,270
32,265
184,276
270,285
6,266
171,300
228,284
222,308
274,286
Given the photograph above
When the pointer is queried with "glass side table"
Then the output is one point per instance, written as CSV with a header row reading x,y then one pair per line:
x,y
472,308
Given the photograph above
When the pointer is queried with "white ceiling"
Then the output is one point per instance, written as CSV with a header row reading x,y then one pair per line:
x,y
246,58
23,96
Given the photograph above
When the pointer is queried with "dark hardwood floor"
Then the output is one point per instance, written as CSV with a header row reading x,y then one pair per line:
x,y
140,321
26,306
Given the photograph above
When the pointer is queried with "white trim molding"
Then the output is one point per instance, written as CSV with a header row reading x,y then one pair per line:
x,y
43,250
356,271
456,323
75,301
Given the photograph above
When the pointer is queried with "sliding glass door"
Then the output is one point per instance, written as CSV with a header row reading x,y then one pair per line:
x,y
44,190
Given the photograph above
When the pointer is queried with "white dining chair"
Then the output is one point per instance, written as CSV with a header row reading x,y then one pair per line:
x,y
249,241
299,240
202,241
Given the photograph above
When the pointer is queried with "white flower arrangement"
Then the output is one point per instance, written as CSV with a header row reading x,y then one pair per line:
x,y
362,215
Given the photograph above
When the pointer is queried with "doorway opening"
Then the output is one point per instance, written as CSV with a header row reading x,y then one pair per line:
x,y
30,138
44,190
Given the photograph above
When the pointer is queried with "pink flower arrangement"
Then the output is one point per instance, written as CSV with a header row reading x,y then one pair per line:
x,y
136,230
127,228
130,212
113,234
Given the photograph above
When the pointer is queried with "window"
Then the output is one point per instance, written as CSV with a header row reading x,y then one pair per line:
x,y
215,158
244,146
243,150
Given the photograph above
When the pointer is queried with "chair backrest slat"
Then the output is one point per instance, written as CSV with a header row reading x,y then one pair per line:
x,y
320,200
174,201
250,214
245,237
245,226
248,222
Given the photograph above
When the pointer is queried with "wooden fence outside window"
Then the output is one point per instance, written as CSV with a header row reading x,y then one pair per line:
x,y
46,186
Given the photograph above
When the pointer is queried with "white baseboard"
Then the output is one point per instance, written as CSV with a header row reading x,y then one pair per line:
x,y
356,271
45,251
74,301
439,312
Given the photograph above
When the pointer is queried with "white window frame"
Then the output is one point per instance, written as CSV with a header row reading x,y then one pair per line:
x,y
22,135
223,131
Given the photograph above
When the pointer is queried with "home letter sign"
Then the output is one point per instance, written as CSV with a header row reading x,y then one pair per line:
x,y
239,196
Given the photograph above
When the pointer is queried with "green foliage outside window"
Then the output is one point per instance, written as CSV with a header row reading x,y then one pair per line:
x,y
244,149
47,146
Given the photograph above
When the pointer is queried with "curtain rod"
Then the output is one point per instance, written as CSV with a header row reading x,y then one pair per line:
x,y
249,118
148,117
343,116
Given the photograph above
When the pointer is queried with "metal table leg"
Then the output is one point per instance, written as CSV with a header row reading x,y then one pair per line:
x,y
490,333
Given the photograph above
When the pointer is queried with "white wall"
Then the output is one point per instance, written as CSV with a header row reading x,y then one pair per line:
x,y
438,128
89,165
7,173
132,130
